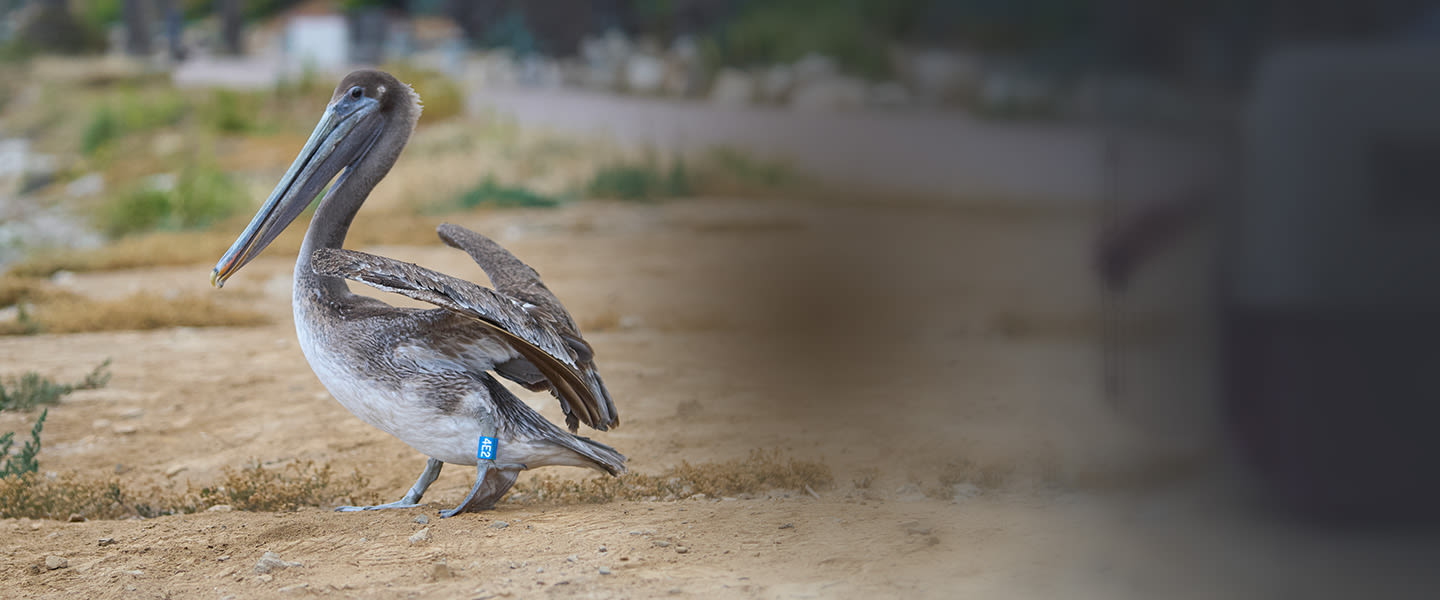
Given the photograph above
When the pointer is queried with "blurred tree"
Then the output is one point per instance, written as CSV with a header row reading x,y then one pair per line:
x,y
137,27
54,29
230,12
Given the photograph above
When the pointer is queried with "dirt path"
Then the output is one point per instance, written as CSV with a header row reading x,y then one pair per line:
x,y
904,344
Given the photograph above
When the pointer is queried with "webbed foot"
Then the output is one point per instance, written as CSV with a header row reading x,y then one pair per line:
x,y
491,483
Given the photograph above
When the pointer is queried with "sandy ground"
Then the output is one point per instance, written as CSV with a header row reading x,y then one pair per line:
x,y
899,340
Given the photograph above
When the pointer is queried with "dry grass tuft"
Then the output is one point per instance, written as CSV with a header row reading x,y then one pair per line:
x,y
151,250
15,290
760,472
171,248
295,485
254,488
138,312
989,476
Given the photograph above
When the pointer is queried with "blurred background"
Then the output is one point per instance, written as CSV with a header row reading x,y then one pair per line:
x,y
1172,258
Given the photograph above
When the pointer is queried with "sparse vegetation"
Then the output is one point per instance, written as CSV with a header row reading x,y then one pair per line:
x,y
644,180
441,96
15,290
162,248
232,112
24,461
287,488
491,193
746,170
254,487
137,312
200,197
760,472
32,390
854,33
129,111
26,393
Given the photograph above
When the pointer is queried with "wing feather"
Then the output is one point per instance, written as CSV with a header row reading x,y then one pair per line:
x,y
536,340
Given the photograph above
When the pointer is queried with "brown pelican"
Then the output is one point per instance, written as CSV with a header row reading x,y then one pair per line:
x,y
422,375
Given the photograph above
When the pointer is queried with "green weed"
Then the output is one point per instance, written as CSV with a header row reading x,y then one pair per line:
x,y
491,193
201,197
642,181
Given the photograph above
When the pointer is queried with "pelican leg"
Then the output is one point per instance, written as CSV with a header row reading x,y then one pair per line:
x,y
412,497
491,482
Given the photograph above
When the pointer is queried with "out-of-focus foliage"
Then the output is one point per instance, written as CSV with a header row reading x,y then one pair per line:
x,y
643,180
858,34
490,192
56,30
234,112
510,32
130,112
441,96
200,197
853,32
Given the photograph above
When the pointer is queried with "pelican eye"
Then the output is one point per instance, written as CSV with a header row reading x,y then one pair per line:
x,y
356,92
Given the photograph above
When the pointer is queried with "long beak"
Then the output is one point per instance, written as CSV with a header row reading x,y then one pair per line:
x,y
343,136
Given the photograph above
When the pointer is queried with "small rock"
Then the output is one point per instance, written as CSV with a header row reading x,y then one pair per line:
x,y
788,526
964,491
223,558
266,578
732,87
106,541
499,525
421,536
53,562
88,185
604,549
76,518
220,508
175,470
915,528
271,561
422,519
299,587
837,93
644,73
101,423
539,569
572,558
661,544
134,572
682,549
604,570
133,413
124,429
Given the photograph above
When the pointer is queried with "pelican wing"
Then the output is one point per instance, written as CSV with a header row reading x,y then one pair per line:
x,y
515,279
518,280
534,339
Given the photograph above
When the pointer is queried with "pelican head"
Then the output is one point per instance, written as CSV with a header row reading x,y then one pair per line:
x,y
366,105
